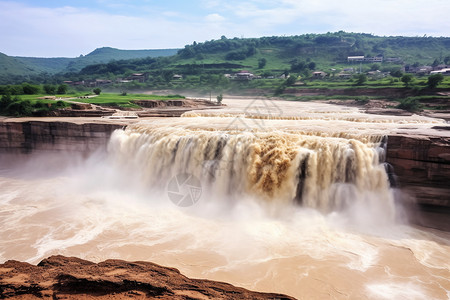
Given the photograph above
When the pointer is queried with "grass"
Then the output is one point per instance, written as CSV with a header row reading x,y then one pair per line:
x,y
34,98
109,99
104,99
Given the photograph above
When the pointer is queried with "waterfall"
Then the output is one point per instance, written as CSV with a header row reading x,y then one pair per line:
x,y
327,172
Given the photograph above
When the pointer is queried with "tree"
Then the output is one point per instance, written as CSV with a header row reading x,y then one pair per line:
x,y
291,80
361,79
219,98
30,89
434,80
410,104
20,108
447,60
396,73
15,107
262,63
97,91
435,63
407,79
49,89
374,67
62,89
5,101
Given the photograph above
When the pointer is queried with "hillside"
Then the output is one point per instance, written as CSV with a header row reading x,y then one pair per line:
x,y
24,66
10,65
265,56
276,54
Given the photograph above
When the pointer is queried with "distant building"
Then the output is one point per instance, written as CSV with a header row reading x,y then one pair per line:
x,y
393,60
440,67
319,74
244,75
121,80
139,77
344,75
423,70
355,58
177,77
365,59
74,83
445,71
96,82
374,59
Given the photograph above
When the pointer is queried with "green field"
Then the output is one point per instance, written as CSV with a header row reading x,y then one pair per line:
x,y
109,99
104,99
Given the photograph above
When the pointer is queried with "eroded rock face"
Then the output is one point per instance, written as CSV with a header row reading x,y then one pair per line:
x,y
422,166
59,277
35,136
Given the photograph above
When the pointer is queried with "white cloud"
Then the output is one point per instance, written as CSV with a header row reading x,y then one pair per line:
x,y
70,31
214,18
400,17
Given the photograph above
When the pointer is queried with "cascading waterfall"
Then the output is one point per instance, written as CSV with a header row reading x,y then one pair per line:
x,y
323,171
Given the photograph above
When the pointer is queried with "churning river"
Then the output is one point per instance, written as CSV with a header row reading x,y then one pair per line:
x,y
271,196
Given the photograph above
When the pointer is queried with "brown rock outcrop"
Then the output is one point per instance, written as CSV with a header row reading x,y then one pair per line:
x,y
59,277
422,166
32,136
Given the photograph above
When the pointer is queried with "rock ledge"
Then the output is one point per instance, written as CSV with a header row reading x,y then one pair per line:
x,y
59,277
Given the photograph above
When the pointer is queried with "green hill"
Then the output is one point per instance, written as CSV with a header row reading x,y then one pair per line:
x,y
263,56
277,54
10,65
23,66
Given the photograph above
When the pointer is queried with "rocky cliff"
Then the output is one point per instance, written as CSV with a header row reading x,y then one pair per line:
x,y
34,136
422,167
59,277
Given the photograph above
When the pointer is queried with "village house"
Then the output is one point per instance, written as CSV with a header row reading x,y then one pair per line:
x,y
423,70
121,80
361,58
244,75
319,74
139,77
374,59
96,82
355,58
344,75
445,71
440,67
74,83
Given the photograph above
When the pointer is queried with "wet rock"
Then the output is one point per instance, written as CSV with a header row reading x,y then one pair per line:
x,y
35,136
422,167
62,277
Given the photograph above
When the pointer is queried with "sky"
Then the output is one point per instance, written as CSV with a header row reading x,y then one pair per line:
x,y
61,28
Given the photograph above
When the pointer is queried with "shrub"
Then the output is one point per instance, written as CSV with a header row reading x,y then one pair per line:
x,y
409,104
219,98
62,89
49,89
360,79
434,80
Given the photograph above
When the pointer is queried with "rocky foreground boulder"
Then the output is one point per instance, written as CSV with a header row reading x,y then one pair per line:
x,y
59,277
